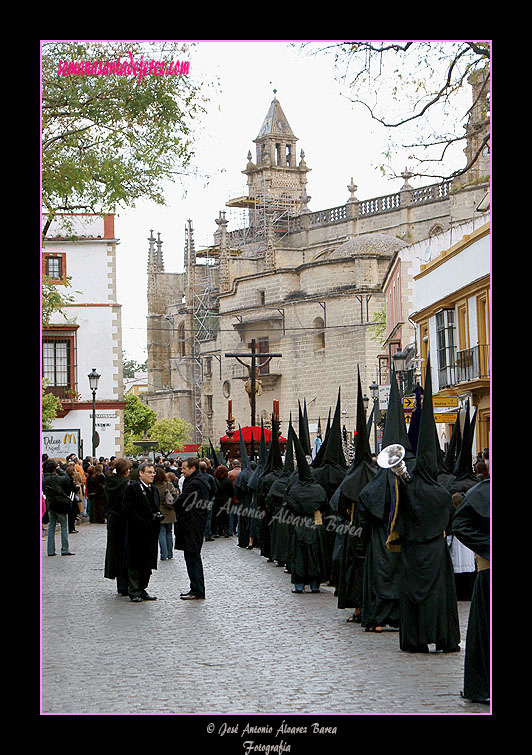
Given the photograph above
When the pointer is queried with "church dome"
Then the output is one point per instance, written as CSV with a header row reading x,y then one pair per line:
x,y
367,243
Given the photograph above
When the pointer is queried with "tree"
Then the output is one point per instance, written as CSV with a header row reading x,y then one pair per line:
x,y
130,366
418,89
52,300
172,434
51,405
379,323
138,419
108,140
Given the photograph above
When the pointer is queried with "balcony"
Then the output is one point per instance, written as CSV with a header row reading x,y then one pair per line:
x,y
472,364
465,366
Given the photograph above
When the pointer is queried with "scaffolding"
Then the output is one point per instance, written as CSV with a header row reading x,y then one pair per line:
x,y
250,215
201,287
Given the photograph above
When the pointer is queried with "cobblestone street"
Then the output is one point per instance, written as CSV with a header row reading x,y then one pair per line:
x,y
250,647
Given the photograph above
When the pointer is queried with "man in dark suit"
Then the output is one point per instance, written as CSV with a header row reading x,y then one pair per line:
x,y
192,510
142,514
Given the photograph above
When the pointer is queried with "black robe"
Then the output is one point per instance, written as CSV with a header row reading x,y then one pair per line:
x,y
382,566
245,498
115,552
471,525
304,499
428,606
280,527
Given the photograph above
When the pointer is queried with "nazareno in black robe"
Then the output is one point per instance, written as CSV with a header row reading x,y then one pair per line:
x,y
280,528
244,494
329,469
462,480
471,525
428,608
304,499
353,550
272,471
253,486
377,500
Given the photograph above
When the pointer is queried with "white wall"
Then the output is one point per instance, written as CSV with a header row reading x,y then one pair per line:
x,y
472,263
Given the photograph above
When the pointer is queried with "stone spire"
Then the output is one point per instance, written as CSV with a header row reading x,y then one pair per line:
x,y
222,224
160,262
152,259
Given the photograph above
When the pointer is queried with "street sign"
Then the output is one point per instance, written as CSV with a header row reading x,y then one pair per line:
x,y
384,396
449,418
409,402
441,401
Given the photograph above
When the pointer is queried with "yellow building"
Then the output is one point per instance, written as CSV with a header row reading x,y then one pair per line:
x,y
452,317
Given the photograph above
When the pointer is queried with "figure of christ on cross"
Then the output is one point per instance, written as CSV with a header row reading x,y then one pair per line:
x,y
253,385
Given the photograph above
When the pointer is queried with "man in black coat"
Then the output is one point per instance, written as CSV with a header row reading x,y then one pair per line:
x,y
142,514
192,510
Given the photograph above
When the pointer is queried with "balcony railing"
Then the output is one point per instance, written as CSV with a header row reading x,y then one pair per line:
x,y
472,364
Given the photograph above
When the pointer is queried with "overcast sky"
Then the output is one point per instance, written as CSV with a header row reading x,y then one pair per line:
x,y
340,141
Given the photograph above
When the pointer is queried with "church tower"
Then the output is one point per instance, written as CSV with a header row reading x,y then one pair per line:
x,y
276,175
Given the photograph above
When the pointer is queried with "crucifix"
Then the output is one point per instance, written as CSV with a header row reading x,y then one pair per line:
x,y
253,371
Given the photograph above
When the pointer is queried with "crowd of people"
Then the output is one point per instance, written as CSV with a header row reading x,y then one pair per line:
x,y
396,546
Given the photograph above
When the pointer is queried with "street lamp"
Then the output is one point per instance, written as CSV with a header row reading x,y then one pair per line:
x,y
93,383
374,390
399,359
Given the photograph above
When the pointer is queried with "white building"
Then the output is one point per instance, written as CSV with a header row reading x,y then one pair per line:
x,y
88,333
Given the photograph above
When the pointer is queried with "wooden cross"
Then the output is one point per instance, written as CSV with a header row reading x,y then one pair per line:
x,y
253,369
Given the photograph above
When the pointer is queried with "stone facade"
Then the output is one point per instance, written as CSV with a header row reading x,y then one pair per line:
x,y
305,284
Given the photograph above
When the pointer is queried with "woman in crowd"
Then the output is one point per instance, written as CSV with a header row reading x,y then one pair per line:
x,y
167,496
75,509
95,487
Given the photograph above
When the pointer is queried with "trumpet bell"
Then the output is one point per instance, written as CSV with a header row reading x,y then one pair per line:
x,y
392,457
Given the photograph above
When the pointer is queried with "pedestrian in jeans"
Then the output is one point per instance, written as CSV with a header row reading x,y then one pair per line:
x,y
167,496
57,489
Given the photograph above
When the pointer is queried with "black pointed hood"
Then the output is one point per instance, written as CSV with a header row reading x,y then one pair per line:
x,y
362,469
454,447
304,496
216,459
274,460
303,470
278,488
464,478
303,431
273,467
316,462
241,481
378,495
253,482
332,466
415,419
427,458
395,427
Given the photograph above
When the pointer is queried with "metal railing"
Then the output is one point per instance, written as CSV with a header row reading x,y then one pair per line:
x,y
472,364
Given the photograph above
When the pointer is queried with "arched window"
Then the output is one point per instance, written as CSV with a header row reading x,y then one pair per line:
x,y
435,230
318,338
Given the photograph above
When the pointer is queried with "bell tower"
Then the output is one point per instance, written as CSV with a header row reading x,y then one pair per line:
x,y
276,173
